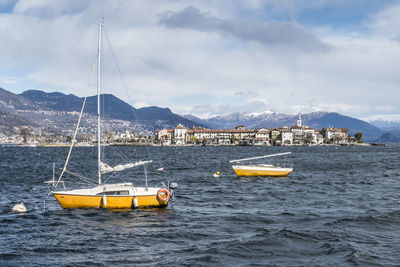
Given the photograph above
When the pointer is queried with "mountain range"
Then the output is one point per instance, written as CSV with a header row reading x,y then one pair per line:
x,y
386,124
58,112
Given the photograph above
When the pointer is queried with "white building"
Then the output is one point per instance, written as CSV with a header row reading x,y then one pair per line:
x,y
318,139
262,133
165,136
332,133
180,135
127,135
286,137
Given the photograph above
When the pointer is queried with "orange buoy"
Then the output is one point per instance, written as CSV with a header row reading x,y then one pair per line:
x,y
163,195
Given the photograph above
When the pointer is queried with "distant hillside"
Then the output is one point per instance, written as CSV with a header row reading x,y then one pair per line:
x,y
59,111
395,132
270,119
53,101
334,119
11,102
386,124
9,121
114,108
388,138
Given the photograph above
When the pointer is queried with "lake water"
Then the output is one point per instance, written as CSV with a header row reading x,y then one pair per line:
x,y
340,206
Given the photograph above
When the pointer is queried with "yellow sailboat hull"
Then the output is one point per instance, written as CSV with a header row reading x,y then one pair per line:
x,y
68,201
253,171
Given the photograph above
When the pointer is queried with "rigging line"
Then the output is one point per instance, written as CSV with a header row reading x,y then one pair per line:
x,y
117,154
77,125
85,184
109,177
125,87
81,177
79,183
120,155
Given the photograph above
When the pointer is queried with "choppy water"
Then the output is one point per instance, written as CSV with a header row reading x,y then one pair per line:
x,y
341,206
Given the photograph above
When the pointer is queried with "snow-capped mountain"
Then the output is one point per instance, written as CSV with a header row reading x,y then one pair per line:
x,y
272,119
386,124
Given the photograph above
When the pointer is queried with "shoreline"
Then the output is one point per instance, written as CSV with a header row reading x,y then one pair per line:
x,y
185,145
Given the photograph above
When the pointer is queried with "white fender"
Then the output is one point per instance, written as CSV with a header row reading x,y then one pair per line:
x,y
104,201
135,202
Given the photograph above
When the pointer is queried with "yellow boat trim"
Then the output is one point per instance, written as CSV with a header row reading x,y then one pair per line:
x,y
68,201
274,173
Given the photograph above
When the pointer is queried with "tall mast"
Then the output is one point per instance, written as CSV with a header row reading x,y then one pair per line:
x,y
98,103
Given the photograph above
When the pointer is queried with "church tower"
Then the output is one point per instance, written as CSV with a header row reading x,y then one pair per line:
x,y
299,121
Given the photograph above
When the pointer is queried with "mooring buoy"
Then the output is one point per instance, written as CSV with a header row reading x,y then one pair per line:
x,y
217,175
19,208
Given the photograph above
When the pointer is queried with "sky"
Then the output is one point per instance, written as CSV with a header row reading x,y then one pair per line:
x,y
212,57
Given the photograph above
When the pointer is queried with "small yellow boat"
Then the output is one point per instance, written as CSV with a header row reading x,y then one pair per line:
x,y
261,169
113,196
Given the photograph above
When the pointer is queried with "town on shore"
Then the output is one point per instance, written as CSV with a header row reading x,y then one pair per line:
x,y
297,134
288,135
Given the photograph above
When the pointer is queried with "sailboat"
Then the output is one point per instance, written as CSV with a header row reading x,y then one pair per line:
x,y
261,169
111,196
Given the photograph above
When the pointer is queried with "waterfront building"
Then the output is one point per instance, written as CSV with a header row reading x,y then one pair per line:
x,y
319,139
298,136
241,136
165,136
286,137
335,134
127,135
262,133
180,135
198,135
274,135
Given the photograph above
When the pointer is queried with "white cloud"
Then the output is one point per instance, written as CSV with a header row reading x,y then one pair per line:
x,y
387,22
383,117
46,9
11,80
270,33
235,69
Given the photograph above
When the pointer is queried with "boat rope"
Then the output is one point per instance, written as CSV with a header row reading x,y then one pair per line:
x,y
44,202
112,174
125,87
81,177
121,156
77,125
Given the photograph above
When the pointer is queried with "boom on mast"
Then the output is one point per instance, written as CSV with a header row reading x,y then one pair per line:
x,y
261,157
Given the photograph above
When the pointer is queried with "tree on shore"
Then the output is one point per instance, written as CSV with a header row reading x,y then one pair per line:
x,y
336,139
308,139
25,133
358,137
